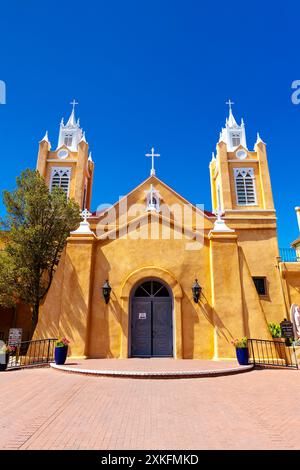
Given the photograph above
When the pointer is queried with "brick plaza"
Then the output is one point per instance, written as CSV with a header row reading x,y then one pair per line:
x,y
47,409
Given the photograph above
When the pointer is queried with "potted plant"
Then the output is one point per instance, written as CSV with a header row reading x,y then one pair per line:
x,y
5,351
275,330
241,349
279,342
61,351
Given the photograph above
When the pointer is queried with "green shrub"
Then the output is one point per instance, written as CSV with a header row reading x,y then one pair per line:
x,y
275,330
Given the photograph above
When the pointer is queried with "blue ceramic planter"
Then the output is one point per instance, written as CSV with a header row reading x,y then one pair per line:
x,y
60,355
242,355
4,358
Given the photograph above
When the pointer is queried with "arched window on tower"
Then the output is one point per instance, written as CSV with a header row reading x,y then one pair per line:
x,y
236,139
245,186
68,140
60,178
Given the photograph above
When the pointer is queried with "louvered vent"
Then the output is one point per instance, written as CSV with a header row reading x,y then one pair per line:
x,y
245,186
61,179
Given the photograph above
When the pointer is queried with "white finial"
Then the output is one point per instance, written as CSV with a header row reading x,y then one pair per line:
x,y
218,212
84,227
83,139
219,225
85,214
259,139
45,138
90,157
152,155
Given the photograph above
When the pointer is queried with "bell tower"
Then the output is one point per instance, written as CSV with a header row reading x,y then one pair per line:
x,y
70,165
240,179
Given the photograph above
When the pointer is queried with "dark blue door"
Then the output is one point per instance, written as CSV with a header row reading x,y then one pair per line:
x,y
151,321
141,328
162,334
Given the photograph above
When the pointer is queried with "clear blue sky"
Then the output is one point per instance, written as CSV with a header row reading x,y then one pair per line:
x,y
153,73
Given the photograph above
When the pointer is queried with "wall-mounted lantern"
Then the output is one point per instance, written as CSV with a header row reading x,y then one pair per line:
x,y
106,290
196,289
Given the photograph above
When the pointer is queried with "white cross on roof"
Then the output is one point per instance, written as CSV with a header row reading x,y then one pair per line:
x,y
152,155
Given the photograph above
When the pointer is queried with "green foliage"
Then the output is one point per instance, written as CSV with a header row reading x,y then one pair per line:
x,y
240,343
275,330
37,225
62,343
8,294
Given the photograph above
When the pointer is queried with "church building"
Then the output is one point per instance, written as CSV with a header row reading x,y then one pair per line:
x,y
156,276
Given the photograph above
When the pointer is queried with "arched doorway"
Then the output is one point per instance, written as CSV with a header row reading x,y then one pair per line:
x,y
151,320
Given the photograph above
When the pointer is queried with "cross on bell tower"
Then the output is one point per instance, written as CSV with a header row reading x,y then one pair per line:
x,y
230,103
74,103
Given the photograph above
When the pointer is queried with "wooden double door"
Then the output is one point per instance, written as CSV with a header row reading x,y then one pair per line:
x,y
151,321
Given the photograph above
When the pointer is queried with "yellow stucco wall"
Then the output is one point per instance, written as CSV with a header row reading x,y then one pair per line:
x,y
230,306
290,275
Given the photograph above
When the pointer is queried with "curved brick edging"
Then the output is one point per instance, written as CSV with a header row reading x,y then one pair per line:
x,y
154,375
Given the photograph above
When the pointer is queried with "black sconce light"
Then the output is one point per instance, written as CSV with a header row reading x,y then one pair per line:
x,y
196,289
106,290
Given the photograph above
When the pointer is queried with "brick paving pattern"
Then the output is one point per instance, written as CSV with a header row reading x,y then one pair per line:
x,y
151,364
46,409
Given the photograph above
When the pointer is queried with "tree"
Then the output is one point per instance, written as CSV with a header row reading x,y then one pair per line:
x,y
8,294
37,224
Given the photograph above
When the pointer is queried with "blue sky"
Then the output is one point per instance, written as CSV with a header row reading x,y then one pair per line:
x,y
153,73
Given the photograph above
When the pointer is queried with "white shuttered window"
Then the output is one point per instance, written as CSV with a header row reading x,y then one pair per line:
x,y
236,140
245,186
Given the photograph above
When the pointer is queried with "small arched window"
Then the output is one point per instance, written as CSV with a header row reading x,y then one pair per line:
x,y
68,140
236,139
151,289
